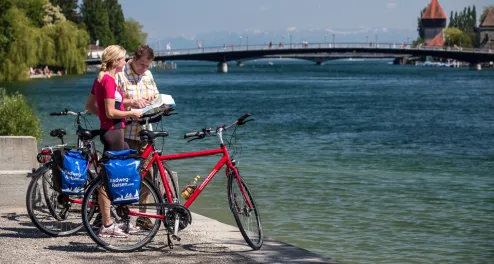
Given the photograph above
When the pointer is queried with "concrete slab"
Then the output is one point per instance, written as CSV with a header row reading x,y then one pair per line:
x,y
18,153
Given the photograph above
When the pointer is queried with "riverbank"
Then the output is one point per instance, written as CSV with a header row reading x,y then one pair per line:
x,y
204,241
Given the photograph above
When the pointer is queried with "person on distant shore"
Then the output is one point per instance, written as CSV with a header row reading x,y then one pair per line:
x,y
107,101
47,72
137,85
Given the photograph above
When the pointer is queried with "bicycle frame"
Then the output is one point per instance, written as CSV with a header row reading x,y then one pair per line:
x,y
224,160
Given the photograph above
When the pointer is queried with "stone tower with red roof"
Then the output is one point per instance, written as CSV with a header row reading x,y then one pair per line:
x,y
434,22
486,31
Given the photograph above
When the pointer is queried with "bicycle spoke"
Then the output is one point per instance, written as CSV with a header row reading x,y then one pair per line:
x,y
245,211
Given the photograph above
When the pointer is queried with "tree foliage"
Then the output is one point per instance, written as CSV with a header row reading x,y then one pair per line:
x,y
37,32
454,36
69,9
61,44
466,20
7,31
484,13
53,14
420,27
95,16
32,9
116,21
70,44
17,116
135,35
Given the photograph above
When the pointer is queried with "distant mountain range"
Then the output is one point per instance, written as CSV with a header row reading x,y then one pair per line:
x,y
220,38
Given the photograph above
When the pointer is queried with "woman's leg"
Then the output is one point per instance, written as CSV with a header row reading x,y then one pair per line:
x,y
113,140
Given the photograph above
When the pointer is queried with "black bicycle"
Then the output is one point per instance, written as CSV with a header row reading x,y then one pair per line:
x,y
51,211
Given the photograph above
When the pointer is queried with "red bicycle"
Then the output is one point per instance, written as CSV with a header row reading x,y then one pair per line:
x,y
153,207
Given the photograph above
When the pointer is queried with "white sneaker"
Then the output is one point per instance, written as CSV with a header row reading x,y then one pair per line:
x,y
111,231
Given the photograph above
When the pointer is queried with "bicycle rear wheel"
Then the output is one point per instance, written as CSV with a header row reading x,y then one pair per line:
x,y
248,218
134,240
171,179
50,211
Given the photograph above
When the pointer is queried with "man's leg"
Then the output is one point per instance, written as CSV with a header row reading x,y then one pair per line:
x,y
142,222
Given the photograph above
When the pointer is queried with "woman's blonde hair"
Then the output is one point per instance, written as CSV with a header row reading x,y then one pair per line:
x,y
110,56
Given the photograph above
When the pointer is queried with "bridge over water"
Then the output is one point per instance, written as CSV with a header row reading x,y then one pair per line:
x,y
222,55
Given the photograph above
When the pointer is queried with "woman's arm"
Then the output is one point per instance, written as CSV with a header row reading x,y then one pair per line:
x,y
91,104
113,113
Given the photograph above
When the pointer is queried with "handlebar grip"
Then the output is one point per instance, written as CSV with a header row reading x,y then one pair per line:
x,y
57,113
244,117
193,134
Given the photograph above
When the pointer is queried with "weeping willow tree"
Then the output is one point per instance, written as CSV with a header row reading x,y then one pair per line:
x,y
61,43
70,44
22,53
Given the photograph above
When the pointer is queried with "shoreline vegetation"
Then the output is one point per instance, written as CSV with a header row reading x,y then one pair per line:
x,y
57,33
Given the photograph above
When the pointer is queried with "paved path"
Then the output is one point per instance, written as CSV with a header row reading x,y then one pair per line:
x,y
204,241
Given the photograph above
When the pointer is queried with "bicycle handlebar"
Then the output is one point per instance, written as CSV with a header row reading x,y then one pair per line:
x,y
151,118
200,134
67,112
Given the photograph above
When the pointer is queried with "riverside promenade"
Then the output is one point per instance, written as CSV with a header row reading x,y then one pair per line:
x,y
204,241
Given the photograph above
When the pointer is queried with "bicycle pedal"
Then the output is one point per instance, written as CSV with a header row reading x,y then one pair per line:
x,y
175,237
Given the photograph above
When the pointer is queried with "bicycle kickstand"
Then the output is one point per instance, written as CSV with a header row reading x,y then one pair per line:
x,y
170,242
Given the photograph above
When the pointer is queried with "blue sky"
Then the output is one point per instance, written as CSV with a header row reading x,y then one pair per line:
x,y
167,18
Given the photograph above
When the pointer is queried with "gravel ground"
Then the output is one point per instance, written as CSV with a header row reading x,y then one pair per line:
x,y
204,241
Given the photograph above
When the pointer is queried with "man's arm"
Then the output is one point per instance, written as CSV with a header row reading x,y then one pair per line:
x,y
91,105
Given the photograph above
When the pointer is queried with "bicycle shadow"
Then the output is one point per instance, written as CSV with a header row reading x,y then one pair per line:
x,y
216,247
93,248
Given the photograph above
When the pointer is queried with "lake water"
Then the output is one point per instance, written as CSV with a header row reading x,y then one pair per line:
x,y
361,161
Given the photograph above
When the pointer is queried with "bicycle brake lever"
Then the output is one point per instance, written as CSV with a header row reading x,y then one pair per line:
x,y
188,141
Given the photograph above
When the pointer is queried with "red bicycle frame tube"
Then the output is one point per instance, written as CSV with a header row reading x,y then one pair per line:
x,y
225,159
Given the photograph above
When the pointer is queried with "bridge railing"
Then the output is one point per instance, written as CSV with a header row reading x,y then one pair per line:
x,y
295,46
372,47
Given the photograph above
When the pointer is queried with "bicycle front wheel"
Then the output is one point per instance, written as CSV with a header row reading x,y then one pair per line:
x,y
50,211
247,217
142,230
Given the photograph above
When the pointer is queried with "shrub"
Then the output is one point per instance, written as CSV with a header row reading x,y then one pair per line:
x,y
17,117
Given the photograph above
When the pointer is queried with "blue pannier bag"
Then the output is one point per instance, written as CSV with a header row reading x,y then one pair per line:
x,y
121,169
74,172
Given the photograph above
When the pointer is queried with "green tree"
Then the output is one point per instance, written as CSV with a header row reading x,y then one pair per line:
x,y
69,9
70,44
116,21
95,16
454,36
62,44
7,34
53,14
17,116
420,27
135,36
484,13
23,50
32,9
451,20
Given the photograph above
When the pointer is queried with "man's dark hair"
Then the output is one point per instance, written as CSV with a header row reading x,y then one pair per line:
x,y
144,51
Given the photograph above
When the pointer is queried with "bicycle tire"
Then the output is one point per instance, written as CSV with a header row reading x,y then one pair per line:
x,y
157,181
42,206
132,242
254,238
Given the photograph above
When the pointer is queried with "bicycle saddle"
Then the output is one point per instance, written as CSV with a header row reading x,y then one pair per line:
x,y
150,135
86,134
58,132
